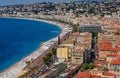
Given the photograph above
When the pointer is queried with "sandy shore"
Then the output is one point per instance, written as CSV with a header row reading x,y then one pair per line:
x,y
15,69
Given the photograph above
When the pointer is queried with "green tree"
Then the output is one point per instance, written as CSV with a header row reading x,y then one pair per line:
x,y
82,69
54,51
49,55
45,60
27,62
91,66
87,66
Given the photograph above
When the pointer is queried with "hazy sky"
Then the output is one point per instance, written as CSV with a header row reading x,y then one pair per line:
x,y
11,2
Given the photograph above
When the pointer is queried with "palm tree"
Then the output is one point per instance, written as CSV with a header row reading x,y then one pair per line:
x,y
28,63
45,60
54,53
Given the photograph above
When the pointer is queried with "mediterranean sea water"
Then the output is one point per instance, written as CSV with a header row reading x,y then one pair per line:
x,y
20,37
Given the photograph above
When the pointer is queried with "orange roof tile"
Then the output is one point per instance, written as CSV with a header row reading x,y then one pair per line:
x,y
83,75
111,55
109,74
108,45
116,61
95,76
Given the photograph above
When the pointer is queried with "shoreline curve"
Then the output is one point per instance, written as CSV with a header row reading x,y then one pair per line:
x,y
15,69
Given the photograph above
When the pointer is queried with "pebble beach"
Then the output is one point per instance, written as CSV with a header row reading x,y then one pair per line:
x,y
14,70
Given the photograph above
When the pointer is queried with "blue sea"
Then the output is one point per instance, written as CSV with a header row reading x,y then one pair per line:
x,y
20,37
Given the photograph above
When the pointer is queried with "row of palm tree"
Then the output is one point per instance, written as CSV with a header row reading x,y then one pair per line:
x,y
49,56
25,75
46,61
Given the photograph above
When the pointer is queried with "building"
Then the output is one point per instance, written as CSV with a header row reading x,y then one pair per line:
x,y
83,75
91,28
77,55
84,40
115,65
62,53
100,74
110,57
108,45
109,52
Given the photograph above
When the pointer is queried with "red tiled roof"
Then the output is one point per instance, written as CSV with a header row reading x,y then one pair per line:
x,y
111,55
95,76
116,61
83,75
118,57
108,46
87,40
112,26
109,74
85,34
75,35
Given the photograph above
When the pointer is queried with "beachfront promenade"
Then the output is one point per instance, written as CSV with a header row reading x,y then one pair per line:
x,y
15,69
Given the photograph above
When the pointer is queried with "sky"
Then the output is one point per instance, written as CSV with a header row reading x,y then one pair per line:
x,y
12,2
